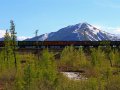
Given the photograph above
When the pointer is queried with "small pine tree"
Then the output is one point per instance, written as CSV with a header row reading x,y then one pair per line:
x,y
80,59
13,40
97,57
67,57
7,49
48,69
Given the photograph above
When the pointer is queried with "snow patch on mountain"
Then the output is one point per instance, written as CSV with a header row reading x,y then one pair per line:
x,y
21,38
43,37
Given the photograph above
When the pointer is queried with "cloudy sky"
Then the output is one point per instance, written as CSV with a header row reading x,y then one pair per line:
x,y
51,15
2,32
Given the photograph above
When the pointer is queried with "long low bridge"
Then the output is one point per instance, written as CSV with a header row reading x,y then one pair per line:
x,y
61,44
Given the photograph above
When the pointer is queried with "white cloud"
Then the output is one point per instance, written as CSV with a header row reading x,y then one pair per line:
x,y
117,31
2,33
112,30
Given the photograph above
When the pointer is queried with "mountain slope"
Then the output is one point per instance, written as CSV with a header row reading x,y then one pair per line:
x,y
78,32
1,39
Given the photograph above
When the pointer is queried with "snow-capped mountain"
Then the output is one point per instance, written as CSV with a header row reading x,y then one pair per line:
x,y
78,32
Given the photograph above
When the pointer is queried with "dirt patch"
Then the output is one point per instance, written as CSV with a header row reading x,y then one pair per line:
x,y
1,86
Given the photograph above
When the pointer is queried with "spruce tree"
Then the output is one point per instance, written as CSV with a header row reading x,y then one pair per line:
x,y
13,40
7,48
37,46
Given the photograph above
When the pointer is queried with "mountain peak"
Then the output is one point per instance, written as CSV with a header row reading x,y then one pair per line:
x,y
86,26
78,32
85,23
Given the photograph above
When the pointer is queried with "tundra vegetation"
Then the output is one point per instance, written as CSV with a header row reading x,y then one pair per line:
x,y
45,73
25,71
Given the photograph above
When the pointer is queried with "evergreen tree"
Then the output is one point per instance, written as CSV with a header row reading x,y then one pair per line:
x,y
48,69
13,40
37,46
7,48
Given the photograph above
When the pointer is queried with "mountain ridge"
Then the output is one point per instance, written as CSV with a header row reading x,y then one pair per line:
x,y
78,32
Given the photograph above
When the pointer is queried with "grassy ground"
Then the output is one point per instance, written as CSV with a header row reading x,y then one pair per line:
x,y
100,65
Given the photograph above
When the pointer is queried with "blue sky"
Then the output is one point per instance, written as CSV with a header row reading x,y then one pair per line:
x,y
51,15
